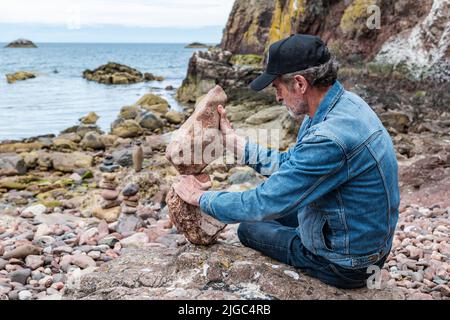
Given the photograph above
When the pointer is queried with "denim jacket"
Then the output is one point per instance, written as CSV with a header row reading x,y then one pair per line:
x,y
340,176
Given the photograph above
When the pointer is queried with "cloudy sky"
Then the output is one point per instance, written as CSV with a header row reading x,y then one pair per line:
x,y
100,20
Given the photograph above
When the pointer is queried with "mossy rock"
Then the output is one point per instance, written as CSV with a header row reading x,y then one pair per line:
x,y
247,60
152,102
12,185
355,16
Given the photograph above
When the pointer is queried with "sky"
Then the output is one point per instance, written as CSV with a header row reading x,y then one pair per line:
x,y
114,20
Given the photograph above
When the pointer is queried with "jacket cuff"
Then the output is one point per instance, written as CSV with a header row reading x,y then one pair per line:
x,y
206,201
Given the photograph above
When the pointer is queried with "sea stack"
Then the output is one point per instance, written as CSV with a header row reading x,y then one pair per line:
x,y
198,227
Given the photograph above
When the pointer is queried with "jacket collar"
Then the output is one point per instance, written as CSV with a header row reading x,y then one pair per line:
x,y
328,103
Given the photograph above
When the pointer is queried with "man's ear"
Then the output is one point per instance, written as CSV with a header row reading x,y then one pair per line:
x,y
302,83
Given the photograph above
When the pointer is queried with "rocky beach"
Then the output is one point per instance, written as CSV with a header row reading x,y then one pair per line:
x,y
83,214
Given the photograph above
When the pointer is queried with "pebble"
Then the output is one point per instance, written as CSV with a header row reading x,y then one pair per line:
x,y
83,261
130,190
35,210
88,236
25,295
136,240
20,276
2,249
109,194
62,249
42,230
22,252
33,262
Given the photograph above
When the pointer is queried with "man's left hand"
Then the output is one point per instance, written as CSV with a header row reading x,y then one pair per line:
x,y
190,189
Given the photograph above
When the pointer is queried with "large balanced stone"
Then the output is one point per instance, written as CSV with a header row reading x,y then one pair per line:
x,y
186,150
197,227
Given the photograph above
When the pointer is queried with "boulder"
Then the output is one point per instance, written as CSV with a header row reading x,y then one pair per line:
x,y
61,144
153,273
198,228
174,117
127,129
152,102
150,121
70,162
151,77
19,76
12,164
92,140
201,129
109,215
129,112
90,118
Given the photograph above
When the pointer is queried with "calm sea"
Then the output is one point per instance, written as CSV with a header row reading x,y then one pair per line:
x,y
59,96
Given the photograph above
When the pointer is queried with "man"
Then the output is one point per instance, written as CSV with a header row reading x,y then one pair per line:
x,y
331,207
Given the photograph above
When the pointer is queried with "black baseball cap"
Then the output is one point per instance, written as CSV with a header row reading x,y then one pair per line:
x,y
295,53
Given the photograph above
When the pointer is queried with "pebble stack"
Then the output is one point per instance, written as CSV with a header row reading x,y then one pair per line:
x,y
108,164
130,199
109,193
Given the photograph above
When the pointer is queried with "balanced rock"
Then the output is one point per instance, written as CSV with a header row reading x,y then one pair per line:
x,y
198,132
90,118
198,228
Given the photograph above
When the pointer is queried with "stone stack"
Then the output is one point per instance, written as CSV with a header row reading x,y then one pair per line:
x,y
198,227
129,221
109,208
109,193
130,199
108,164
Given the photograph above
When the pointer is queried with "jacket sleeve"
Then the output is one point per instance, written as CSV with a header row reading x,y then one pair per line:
x,y
314,167
264,161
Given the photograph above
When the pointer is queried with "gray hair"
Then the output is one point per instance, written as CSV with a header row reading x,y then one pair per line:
x,y
323,75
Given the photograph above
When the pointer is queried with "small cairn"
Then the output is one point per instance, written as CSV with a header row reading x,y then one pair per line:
x,y
129,221
108,164
109,193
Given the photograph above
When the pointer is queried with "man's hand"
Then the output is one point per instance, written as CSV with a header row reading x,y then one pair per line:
x,y
190,189
231,140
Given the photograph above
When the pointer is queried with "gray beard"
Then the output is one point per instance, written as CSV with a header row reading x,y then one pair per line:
x,y
293,114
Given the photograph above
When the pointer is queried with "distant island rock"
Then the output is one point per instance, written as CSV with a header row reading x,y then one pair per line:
x,y
21,43
197,45
115,73
19,76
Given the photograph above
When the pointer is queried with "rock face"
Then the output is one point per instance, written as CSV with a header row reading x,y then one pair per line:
x,y
197,227
425,47
224,271
21,43
248,26
19,76
114,73
207,69
197,133
416,37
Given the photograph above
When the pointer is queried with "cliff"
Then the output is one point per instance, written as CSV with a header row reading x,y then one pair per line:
x,y
404,28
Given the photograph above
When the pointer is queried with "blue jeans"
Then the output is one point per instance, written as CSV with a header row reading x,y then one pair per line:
x,y
279,240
